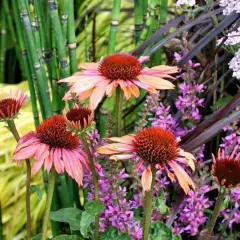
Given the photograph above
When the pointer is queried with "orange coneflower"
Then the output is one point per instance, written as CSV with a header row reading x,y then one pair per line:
x,y
153,145
115,70
78,118
226,170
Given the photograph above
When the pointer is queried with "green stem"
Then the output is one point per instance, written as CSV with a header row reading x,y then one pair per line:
x,y
51,184
95,182
119,103
13,129
215,214
1,228
147,205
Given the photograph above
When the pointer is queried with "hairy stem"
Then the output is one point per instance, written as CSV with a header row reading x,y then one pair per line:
x,y
215,214
51,184
119,103
95,182
147,205
13,129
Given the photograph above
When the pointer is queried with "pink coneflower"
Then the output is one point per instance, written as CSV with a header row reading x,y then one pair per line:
x,y
52,145
157,146
226,170
9,106
78,118
115,70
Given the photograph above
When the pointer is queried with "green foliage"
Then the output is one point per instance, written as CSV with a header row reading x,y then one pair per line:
x,y
37,190
159,231
68,237
69,215
37,237
160,204
92,208
221,102
112,233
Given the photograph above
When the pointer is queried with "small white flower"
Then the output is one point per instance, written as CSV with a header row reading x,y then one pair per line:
x,y
235,65
233,38
187,2
230,6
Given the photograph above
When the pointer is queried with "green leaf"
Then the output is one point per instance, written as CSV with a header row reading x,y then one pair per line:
x,y
159,231
221,102
177,237
160,204
92,208
225,203
112,233
37,237
69,215
38,191
68,237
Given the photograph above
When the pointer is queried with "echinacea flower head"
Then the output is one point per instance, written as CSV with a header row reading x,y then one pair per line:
x,y
53,146
115,70
78,119
156,146
226,170
10,106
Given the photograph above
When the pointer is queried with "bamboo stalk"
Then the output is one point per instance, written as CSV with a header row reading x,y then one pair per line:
x,y
42,85
138,19
72,39
162,20
3,45
61,51
113,26
26,63
64,19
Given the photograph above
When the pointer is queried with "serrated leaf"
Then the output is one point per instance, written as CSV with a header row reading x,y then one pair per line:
x,y
92,208
37,190
112,233
159,231
68,237
69,215
37,237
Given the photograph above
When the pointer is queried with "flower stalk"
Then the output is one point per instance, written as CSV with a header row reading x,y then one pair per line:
x,y
119,103
216,211
51,184
13,129
94,179
147,205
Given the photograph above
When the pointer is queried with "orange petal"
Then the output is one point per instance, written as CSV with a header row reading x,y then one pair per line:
x,y
156,82
134,90
146,179
166,69
89,66
183,178
85,94
122,156
128,139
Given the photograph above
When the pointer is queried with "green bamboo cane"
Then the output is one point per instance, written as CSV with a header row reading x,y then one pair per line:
x,y
113,26
138,19
149,26
61,51
45,39
86,37
3,45
162,20
64,19
55,76
42,85
72,39
145,9
26,63
12,31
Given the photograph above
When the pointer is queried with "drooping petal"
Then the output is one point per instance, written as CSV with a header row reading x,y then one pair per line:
x,y
166,69
183,178
156,82
25,152
58,162
128,139
135,90
28,139
98,94
147,179
48,162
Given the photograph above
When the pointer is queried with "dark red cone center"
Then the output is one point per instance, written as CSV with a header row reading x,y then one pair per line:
x,y
79,114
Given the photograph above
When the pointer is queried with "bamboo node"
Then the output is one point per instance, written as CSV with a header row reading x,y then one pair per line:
x,y
72,45
63,62
37,66
114,22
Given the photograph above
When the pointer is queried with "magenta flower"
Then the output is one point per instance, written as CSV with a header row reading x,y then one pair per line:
x,y
52,145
